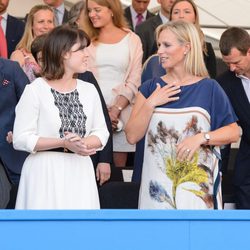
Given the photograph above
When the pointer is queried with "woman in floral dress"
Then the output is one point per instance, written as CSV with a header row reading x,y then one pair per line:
x,y
179,121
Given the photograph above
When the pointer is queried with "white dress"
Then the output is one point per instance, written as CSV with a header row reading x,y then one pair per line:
x,y
49,179
112,61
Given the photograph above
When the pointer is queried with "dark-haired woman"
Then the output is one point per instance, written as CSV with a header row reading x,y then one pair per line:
x,y
60,121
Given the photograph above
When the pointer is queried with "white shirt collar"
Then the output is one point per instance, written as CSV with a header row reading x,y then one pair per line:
x,y
4,22
246,85
163,18
60,12
134,15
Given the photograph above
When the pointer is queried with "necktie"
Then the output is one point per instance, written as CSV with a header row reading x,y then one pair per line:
x,y
139,18
3,43
56,16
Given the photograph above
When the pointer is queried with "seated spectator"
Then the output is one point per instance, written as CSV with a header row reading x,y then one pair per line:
x,y
40,20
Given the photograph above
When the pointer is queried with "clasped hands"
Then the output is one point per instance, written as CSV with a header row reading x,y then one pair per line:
x,y
78,145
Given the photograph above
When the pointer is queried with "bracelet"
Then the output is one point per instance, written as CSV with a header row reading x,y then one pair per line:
x,y
118,107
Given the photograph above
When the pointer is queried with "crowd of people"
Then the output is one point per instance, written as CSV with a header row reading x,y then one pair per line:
x,y
84,88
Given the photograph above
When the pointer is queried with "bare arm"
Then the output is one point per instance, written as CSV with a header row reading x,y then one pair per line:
x,y
218,137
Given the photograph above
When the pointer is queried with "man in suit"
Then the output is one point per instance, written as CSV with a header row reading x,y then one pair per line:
x,y
12,83
61,13
146,30
12,27
235,50
137,13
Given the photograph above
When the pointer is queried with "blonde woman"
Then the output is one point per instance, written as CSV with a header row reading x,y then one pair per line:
x,y
40,21
115,56
180,119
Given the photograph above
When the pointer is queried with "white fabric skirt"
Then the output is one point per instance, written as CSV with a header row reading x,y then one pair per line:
x,y
55,180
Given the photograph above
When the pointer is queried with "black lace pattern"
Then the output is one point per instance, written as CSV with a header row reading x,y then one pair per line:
x,y
73,118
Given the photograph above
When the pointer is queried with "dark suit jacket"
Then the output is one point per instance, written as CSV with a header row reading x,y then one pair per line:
x,y
128,16
146,31
14,33
210,60
65,16
106,155
12,84
233,87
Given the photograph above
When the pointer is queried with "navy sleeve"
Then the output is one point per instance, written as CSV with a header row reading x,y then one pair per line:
x,y
148,87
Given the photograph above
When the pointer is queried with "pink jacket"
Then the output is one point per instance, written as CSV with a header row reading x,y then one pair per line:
x,y
129,87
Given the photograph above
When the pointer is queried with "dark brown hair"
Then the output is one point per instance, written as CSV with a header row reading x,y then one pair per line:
x,y
37,45
234,37
58,42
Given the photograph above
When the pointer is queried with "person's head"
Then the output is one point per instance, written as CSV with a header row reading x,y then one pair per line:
x,y
3,6
140,6
165,6
185,10
63,51
235,49
40,21
100,13
76,15
53,3
36,48
179,46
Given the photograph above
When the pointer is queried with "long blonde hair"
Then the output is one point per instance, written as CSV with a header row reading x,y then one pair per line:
x,y
28,36
186,33
118,17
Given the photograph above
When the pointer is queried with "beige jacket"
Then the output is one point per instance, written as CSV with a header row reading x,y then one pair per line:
x,y
129,87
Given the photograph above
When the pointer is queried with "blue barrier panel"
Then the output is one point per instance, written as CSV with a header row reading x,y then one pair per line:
x,y
124,230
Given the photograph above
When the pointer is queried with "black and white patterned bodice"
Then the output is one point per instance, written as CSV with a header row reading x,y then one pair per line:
x,y
73,118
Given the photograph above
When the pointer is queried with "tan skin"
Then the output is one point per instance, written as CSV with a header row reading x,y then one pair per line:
x,y
140,6
101,18
43,22
172,54
238,62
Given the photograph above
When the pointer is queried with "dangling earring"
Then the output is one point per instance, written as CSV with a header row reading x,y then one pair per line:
x,y
112,15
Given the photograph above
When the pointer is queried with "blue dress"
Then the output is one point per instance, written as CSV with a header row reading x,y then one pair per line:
x,y
166,182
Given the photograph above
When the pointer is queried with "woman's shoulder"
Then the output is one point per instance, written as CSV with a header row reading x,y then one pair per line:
x,y
35,87
85,85
209,83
